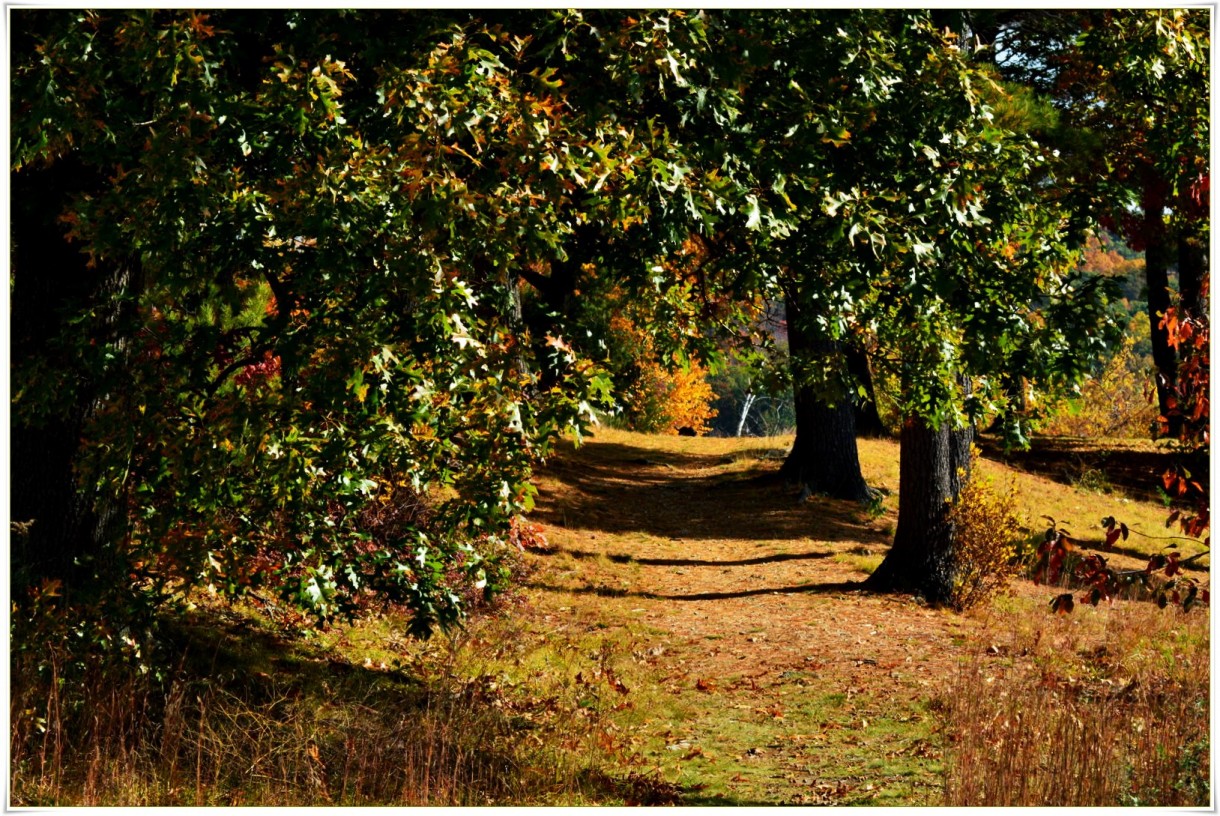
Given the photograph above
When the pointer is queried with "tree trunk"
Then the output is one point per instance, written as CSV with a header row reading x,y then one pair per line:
x,y
1157,250
933,467
868,420
1192,269
51,281
746,405
824,457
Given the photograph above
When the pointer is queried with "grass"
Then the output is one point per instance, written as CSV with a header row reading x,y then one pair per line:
x,y
316,729
1108,707
690,635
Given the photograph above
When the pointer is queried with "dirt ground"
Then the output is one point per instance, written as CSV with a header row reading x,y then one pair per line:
x,y
743,563
787,683
747,605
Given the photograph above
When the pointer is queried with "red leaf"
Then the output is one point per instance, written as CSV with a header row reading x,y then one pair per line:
x,y
1063,604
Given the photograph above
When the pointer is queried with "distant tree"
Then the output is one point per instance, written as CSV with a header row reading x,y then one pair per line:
x,y
1132,89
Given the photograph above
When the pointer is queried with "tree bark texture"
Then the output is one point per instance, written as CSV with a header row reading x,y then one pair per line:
x,y
824,457
933,468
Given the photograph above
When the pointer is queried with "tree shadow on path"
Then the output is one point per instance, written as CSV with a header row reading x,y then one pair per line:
x,y
623,558
615,488
615,592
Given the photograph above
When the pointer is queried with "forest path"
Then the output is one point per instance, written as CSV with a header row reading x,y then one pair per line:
x,y
779,680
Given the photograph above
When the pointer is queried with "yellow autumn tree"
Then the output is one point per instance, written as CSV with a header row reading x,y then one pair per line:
x,y
657,395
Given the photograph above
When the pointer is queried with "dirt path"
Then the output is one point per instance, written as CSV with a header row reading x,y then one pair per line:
x,y
788,683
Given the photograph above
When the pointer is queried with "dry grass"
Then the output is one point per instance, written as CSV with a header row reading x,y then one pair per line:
x,y
1107,707
314,731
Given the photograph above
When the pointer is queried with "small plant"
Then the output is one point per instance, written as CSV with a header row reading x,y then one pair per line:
x,y
987,531
1093,480
875,504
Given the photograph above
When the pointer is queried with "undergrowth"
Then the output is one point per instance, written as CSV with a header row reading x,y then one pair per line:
x,y
245,717
987,530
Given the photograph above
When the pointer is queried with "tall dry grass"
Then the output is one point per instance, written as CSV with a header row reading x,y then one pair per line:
x,y
344,737
1106,708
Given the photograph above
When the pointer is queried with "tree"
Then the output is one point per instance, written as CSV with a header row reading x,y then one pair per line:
x,y
1131,87
266,279
955,258
885,200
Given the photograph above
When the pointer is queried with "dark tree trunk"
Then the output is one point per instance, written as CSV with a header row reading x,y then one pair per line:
x,y
1157,253
1192,270
933,468
868,421
51,281
824,457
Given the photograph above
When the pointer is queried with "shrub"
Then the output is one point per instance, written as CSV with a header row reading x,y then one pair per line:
x,y
987,532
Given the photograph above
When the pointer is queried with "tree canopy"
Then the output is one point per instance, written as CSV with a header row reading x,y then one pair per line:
x,y
300,299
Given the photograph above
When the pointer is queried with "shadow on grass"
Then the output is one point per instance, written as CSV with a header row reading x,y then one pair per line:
x,y
615,488
614,592
622,558
1070,461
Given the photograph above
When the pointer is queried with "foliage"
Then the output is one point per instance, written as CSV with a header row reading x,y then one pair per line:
x,y
986,531
380,179
1190,334
1113,402
1132,56
1162,578
656,395
664,401
1106,254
